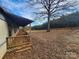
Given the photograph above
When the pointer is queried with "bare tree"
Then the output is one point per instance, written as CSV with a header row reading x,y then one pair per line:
x,y
47,8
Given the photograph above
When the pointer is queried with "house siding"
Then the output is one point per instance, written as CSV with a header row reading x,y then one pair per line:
x,y
3,35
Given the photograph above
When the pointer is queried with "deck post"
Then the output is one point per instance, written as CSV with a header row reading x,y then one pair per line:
x,y
30,27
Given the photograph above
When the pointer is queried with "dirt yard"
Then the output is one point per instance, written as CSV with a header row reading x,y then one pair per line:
x,y
57,44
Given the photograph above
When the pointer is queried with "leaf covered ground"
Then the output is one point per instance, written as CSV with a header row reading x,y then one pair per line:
x,y
57,44
61,43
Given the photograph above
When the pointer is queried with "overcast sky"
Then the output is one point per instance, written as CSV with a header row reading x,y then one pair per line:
x,y
17,7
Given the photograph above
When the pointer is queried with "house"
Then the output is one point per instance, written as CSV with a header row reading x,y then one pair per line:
x,y
9,23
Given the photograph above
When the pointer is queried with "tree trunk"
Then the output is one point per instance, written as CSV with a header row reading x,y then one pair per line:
x,y
48,30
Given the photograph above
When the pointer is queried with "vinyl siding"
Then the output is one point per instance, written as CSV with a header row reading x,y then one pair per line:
x,y
3,35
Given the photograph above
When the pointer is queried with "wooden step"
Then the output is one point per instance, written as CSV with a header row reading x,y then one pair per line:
x,y
27,43
23,47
